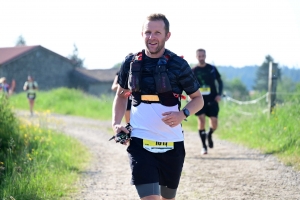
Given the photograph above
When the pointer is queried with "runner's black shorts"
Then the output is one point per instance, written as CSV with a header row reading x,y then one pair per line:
x,y
147,167
31,96
210,109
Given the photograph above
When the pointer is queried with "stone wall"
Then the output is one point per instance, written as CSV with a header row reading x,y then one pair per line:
x,y
101,88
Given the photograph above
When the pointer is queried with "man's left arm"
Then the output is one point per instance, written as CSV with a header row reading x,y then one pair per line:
x,y
191,86
194,105
220,86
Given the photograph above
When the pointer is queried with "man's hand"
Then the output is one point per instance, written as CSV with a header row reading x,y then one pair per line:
x,y
173,118
119,129
218,98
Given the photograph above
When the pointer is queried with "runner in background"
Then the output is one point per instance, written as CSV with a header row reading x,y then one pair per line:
x,y
31,87
207,76
6,88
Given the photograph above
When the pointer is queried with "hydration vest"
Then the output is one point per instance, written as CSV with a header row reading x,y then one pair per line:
x,y
33,85
162,83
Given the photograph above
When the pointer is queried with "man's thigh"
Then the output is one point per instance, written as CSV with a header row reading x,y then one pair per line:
x,y
213,109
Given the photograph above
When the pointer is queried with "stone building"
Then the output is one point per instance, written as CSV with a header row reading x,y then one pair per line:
x,y
51,70
94,82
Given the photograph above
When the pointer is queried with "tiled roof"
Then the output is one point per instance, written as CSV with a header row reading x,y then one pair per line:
x,y
101,75
9,53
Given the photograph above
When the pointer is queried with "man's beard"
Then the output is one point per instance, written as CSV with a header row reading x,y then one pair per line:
x,y
157,50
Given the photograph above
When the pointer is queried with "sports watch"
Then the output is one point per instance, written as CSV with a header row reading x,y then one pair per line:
x,y
186,112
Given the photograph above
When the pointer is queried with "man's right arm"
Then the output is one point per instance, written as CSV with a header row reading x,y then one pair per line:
x,y
118,109
120,100
25,86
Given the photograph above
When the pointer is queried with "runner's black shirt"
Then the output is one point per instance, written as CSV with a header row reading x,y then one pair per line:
x,y
207,77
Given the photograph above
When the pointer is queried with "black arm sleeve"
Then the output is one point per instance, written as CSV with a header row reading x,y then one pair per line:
x,y
220,86
123,73
187,79
220,82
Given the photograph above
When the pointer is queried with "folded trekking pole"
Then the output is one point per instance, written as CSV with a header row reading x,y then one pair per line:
x,y
122,137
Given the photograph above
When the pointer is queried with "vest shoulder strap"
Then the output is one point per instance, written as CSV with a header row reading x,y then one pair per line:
x,y
137,56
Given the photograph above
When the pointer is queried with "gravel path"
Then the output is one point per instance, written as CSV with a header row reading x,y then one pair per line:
x,y
228,171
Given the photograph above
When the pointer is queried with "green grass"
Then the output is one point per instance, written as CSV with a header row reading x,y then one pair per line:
x,y
35,162
68,102
277,133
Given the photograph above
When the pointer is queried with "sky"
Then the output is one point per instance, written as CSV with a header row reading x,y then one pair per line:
x,y
233,32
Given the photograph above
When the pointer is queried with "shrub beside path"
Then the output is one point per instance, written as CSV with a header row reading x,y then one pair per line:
x,y
228,171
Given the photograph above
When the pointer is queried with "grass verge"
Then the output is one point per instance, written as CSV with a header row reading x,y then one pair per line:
x,y
36,162
277,133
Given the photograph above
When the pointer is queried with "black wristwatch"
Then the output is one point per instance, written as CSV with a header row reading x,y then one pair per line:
x,y
186,112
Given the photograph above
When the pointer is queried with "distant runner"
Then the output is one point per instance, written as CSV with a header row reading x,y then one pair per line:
x,y
207,76
31,87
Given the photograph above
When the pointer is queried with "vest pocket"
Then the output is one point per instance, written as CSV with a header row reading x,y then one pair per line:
x,y
162,81
134,77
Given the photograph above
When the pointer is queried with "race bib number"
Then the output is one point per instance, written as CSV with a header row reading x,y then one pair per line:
x,y
157,147
205,90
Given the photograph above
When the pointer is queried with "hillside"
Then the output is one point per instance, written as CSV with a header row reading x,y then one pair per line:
x,y
248,74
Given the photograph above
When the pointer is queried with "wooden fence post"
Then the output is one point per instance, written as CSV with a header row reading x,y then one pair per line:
x,y
272,85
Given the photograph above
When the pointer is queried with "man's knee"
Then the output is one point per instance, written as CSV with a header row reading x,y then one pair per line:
x,y
148,191
167,193
201,119
214,122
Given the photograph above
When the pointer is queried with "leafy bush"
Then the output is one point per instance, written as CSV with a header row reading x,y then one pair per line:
x,y
35,162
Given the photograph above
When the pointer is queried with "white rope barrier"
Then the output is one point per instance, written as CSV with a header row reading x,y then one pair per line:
x,y
245,113
285,93
254,101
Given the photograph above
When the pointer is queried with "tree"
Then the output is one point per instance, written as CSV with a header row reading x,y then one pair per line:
x,y
77,62
262,74
236,89
286,89
117,66
20,41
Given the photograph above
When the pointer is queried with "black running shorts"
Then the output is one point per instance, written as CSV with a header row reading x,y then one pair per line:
x,y
147,167
210,109
31,96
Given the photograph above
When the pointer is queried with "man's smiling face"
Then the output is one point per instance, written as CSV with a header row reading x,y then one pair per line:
x,y
155,36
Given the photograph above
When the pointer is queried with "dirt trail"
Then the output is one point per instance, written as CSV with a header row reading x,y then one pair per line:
x,y
228,171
